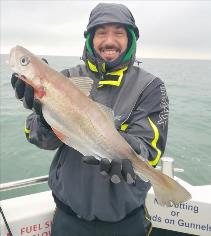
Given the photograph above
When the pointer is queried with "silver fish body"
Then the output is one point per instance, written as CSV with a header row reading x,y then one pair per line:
x,y
84,124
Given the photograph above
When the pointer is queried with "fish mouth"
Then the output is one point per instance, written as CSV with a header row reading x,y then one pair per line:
x,y
12,57
12,62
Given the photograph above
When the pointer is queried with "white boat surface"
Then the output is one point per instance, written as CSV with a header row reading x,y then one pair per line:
x,y
32,215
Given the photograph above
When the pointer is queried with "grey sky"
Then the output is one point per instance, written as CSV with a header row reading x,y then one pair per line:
x,y
168,29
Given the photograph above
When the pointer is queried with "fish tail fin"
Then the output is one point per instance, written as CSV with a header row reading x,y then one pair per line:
x,y
168,191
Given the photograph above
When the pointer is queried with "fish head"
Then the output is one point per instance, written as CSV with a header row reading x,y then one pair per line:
x,y
24,64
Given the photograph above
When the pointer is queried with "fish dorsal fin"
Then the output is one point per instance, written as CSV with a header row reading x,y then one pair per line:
x,y
109,112
82,83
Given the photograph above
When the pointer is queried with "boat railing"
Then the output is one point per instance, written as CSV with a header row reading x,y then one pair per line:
x,y
23,183
166,167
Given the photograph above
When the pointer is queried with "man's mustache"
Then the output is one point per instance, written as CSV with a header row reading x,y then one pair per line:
x,y
110,47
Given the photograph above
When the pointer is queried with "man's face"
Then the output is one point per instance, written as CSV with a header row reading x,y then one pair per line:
x,y
110,41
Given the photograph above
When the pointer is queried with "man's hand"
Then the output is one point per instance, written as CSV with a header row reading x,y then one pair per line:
x,y
23,91
116,169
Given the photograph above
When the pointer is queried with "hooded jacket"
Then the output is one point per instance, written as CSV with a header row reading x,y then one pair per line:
x,y
110,13
140,106
105,13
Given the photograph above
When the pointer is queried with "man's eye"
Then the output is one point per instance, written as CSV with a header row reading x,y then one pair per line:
x,y
101,32
119,32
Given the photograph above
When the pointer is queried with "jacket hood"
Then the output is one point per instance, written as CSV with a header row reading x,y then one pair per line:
x,y
105,13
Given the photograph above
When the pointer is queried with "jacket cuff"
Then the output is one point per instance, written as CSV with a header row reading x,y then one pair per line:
x,y
38,134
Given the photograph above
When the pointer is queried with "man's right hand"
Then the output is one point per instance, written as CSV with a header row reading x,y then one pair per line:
x,y
23,91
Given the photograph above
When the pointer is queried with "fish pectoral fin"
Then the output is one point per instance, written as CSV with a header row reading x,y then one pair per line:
x,y
82,83
85,85
59,135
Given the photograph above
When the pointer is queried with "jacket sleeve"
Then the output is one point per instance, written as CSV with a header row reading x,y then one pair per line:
x,y
39,134
146,129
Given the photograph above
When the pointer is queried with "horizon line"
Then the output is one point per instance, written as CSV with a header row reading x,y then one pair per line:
x,y
159,58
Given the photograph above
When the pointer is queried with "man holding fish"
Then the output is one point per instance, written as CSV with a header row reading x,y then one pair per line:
x,y
97,181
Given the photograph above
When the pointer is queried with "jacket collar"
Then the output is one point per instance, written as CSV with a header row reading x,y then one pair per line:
x,y
112,78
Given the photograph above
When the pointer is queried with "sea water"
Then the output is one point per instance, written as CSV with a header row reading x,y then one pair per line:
x,y
188,84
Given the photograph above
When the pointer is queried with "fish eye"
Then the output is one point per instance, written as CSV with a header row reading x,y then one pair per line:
x,y
24,60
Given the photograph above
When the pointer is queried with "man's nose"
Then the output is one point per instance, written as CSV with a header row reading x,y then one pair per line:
x,y
110,37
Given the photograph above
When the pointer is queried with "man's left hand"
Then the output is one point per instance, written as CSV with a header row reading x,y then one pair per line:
x,y
116,169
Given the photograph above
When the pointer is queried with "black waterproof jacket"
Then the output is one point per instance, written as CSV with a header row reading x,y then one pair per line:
x,y
140,106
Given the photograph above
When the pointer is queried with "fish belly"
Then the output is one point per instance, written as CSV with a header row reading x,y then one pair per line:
x,y
79,131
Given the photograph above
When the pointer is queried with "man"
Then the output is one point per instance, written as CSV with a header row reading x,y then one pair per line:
x,y
97,197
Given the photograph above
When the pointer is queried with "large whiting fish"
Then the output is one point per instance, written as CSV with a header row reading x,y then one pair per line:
x,y
84,124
